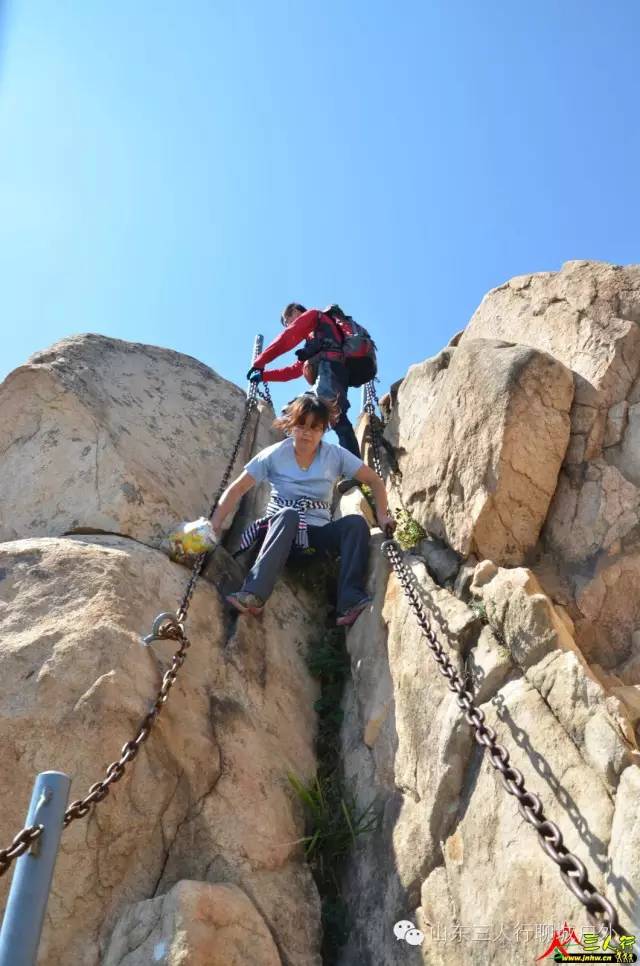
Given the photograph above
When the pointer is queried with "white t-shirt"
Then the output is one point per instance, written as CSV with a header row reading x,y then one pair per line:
x,y
278,465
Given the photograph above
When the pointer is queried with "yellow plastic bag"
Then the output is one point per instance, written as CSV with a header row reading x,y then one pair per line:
x,y
190,539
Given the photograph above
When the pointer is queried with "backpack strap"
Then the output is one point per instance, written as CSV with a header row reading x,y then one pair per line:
x,y
336,326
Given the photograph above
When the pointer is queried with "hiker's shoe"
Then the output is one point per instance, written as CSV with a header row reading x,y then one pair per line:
x,y
346,619
345,485
246,602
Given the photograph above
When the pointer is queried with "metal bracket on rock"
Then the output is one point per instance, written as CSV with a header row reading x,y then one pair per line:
x,y
165,627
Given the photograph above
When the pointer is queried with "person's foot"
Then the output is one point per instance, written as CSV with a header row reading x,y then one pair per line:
x,y
246,603
345,485
349,616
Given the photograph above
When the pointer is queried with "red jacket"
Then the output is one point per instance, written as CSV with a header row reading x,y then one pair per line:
x,y
300,330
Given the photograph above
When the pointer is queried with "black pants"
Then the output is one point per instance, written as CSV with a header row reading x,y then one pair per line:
x,y
346,435
348,537
332,383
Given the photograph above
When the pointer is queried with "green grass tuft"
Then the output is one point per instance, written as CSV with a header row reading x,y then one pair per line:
x,y
408,532
333,819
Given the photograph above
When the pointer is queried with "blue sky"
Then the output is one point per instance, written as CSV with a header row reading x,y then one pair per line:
x,y
175,173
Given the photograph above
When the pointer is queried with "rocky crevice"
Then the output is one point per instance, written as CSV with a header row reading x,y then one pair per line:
x,y
513,450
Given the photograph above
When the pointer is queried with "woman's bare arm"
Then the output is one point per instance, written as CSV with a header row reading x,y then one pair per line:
x,y
230,499
369,476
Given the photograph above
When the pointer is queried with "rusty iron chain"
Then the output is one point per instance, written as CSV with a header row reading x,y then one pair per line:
x,y
574,874
19,846
166,626
378,442
261,388
251,405
265,393
600,911
371,401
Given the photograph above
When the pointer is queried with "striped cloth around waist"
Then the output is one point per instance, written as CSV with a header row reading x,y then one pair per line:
x,y
274,506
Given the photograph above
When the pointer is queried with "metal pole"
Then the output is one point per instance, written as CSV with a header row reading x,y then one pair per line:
x,y
257,349
27,903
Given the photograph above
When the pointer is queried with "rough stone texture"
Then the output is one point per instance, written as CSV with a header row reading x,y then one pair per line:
x,y
453,854
404,748
481,431
493,844
98,434
442,562
556,665
202,836
76,682
541,644
589,519
625,849
354,501
608,613
196,924
624,440
587,316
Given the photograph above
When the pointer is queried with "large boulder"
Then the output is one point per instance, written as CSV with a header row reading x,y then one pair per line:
x,y
76,683
196,924
480,432
98,434
588,317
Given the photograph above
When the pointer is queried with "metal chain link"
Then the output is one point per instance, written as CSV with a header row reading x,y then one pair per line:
x,y
167,626
572,870
371,401
19,846
262,388
265,393
251,404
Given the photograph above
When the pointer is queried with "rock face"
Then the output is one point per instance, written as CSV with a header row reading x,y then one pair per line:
x,y
515,447
452,854
240,716
517,452
503,459
103,435
481,432
588,317
195,855
195,923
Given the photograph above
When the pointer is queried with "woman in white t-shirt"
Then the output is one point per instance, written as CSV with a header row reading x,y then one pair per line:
x,y
302,471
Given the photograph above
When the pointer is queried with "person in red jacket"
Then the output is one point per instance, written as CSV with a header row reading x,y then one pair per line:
x,y
320,355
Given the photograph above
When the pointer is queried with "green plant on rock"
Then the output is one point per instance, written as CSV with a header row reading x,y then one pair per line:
x,y
333,819
479,609
367,492
408,532
334,822
327,659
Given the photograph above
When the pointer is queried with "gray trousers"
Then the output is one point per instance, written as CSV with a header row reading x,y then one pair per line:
x,y
348,537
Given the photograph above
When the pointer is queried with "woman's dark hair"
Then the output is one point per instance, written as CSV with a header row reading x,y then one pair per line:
x,y
288,309
295,413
